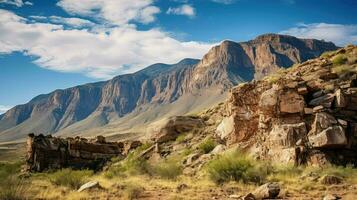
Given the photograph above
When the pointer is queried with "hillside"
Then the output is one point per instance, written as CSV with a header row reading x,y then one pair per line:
x,y
148,94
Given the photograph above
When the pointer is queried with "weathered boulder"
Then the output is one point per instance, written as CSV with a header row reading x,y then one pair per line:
x,y
321,122
267,191
218,149
168,129
225,128
269,100
291,102
47,152
324,100
332,137
287,135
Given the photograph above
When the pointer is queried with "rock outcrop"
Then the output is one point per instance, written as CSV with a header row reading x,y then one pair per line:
x,y
306,114
47,152
78,109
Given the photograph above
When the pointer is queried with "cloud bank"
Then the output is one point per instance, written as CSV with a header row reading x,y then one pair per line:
x,y
98,52
338,33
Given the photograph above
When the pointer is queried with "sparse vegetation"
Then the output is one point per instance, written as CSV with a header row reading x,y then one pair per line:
x,y
13,188
342,69
339,60
181,138
168,169
70,178
132,192
207,145
237,167
326,54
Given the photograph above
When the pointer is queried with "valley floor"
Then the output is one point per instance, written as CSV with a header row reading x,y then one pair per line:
x,y
295,182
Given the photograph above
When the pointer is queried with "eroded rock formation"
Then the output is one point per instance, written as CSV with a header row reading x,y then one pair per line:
x,y
47,152
304,114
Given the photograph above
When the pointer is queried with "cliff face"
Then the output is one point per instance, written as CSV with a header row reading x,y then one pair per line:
x,y
305,114
221,68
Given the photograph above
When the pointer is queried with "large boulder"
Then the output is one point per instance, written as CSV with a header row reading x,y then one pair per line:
x,y
267,191
291,102
287,135
168,129
225,128
332,137
321,122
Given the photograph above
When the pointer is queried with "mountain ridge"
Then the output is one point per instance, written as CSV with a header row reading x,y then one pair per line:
x,y
224,66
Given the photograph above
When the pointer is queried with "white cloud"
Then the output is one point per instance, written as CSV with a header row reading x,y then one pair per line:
x,y
100,53
116,12
340,34
224,1
17,3
3,109
185,9
28,3
73,22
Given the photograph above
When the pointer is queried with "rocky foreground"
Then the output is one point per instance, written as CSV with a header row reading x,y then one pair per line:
x,y
281,137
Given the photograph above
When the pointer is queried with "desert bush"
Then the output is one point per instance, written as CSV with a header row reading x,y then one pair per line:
x,y
70,178
168,169
341,69
237,167
326,54
132,164
339,60
13,188
207,145
181,138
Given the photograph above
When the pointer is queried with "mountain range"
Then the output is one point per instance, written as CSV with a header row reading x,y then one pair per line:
x,y
124,105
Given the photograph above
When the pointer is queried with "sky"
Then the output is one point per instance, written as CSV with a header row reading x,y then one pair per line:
x,y
56,44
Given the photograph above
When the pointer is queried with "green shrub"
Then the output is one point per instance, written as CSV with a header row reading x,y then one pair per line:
x,y
70,178
132,164
207,145
341,69
13,188
326,54
237,167
339,60
168,169
181,138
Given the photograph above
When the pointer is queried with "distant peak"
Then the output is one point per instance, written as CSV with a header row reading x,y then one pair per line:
x,y
271,36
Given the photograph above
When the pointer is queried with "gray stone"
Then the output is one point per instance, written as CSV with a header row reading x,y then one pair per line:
x,y
267,191
331,197
332,137
218,149
323,100
89,185
340,100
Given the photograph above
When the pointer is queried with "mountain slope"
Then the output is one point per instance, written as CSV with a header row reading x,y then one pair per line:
x,y
94,105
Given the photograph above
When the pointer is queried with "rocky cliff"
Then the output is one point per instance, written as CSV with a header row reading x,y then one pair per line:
x,y
98,104
305,114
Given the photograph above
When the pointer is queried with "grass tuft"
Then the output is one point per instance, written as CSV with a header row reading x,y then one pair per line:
x,y
339,60
237,167
70,178
207,145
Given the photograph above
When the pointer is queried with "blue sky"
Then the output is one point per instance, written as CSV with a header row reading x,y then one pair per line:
x,y
46,45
